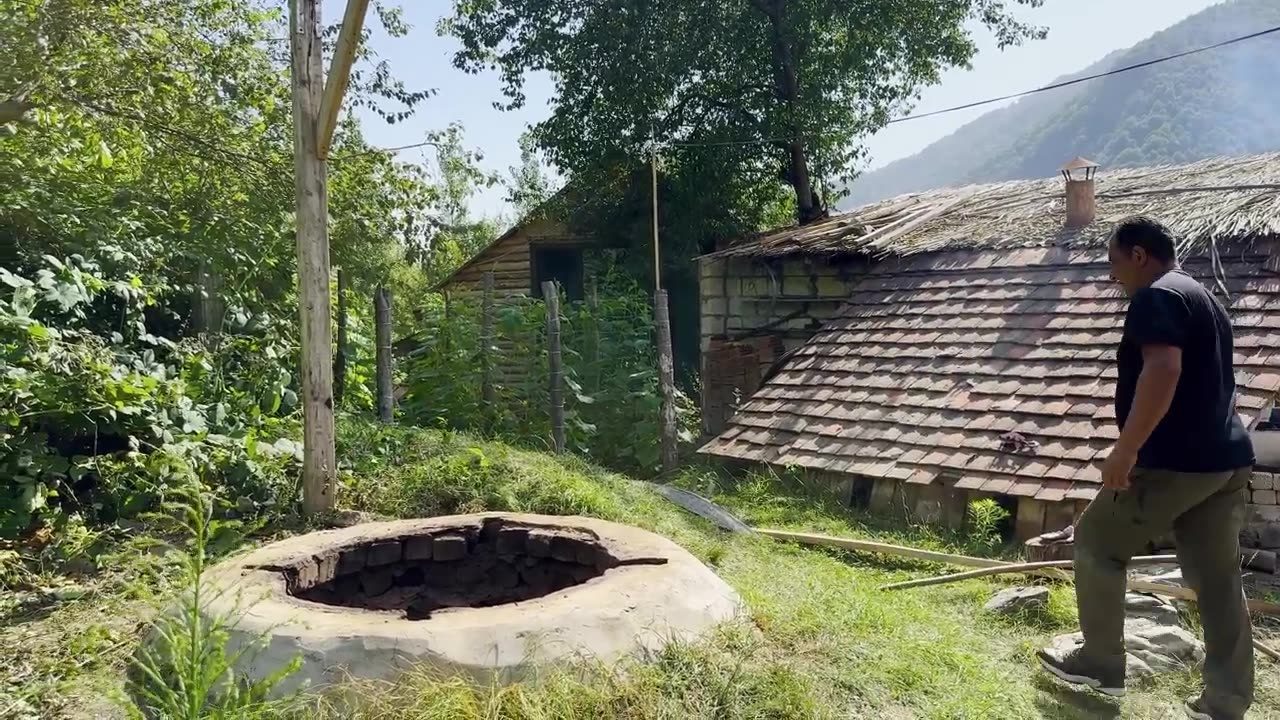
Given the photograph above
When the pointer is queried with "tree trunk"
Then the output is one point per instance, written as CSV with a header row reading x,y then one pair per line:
x,y
382,333
787,85
340,356
319,461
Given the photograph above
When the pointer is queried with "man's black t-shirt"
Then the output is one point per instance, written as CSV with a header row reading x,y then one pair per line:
x,y
1201,432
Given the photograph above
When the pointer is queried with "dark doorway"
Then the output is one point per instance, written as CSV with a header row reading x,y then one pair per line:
x,y
561,265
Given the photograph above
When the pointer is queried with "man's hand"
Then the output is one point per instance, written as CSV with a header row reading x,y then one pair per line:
x,y
1117,468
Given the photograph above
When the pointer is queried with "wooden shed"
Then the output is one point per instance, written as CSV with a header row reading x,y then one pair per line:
x,y
960,343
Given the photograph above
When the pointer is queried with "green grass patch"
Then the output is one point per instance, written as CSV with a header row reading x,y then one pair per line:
x,y
821,640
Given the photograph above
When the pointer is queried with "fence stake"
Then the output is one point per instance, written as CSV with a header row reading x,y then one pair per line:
x,y
487,394
551,295
667,384
340,356
593,309
382,315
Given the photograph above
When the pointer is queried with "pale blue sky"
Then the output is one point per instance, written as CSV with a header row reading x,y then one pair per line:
x,y
1080,32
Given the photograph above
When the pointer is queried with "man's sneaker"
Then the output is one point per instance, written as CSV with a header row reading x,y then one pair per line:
x,y
1194,708
1069,666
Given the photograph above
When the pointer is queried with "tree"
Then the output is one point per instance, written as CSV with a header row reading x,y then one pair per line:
x,y
529,187
800,81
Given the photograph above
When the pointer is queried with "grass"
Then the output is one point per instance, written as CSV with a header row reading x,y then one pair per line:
x,y
821,640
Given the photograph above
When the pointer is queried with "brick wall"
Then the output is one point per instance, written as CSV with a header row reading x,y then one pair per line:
x,y
754,311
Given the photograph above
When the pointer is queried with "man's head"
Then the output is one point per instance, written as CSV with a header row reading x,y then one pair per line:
x,y
1142,249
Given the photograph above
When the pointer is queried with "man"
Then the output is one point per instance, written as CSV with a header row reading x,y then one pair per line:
x,y
1182,462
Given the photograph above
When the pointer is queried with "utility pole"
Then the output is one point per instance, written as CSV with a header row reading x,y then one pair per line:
x,y
315,113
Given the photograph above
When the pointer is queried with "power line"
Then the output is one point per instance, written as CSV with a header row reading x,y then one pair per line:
x,y
1002,98
1115,71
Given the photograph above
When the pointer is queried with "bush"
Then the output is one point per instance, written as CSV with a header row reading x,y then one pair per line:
x,y
97,424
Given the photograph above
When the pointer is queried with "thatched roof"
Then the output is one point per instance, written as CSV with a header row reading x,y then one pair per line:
x,y
1217,199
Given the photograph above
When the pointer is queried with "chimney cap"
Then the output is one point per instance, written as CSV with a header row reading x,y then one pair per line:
x,y
1079,163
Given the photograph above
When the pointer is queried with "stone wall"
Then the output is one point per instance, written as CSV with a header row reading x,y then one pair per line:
x,y
1262,521
752,312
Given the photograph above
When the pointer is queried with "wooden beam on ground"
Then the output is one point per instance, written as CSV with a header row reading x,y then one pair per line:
x,y
1174,591
339,74
1011,568
319,457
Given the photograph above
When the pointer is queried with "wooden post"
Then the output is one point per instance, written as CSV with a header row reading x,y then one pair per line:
x,y
340,355
319,463
335,87
551,295
487,394
593,356
657,259
667,384
666,363
382,316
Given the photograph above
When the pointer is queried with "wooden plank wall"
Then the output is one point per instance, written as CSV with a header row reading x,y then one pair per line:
x,y
510,260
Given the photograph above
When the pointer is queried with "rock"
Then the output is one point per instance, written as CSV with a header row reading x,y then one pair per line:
x,y
1150,648
1014,600
1172,577
1263,560
1150,607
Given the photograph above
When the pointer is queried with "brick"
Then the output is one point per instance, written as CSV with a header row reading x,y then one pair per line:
x,y
512,541
352,560
418,548
538,545
714,306
1264,497
449,547
1263,481
383,553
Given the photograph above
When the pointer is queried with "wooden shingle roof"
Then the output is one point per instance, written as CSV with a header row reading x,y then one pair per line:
x,y
989,369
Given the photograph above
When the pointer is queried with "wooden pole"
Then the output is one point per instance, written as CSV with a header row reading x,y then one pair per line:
x,y
319,464
487,394
382,318
340,354
551,295
667,384
1011,568
666,363
657,259
339,73
593,356
1146,586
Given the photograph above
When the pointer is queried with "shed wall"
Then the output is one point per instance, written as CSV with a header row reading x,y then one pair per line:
x,y
753,312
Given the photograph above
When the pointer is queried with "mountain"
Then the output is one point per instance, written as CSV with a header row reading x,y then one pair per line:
x,y
1220,102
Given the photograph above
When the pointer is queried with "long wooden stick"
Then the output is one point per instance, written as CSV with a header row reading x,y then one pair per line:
x,y
1258,606
1012,568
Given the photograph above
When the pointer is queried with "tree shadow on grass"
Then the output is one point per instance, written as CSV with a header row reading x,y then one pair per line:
x,y
1062,702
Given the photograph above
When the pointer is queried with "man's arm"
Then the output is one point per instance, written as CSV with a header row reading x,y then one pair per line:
x,y
1161,367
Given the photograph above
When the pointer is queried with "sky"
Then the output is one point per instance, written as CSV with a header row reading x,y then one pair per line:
x,y
1080,32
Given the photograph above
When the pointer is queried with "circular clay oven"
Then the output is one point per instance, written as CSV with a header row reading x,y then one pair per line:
x,y
491,596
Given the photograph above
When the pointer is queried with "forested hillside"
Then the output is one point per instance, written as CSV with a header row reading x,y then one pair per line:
x,y
1217,102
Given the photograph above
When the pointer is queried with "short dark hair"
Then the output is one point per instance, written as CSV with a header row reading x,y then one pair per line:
x,y
1147,233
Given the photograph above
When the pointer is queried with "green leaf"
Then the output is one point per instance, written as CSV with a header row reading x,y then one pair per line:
x,y
105,160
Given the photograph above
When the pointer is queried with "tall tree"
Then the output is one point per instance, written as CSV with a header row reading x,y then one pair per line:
x,y
801,81
528,186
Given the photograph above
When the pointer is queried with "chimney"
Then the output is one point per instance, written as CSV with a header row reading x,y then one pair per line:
x,y
1081,205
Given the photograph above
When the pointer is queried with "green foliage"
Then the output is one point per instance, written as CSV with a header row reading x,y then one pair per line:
x,y
1215,103
984,519
92,423
612,400
629,76
186,669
